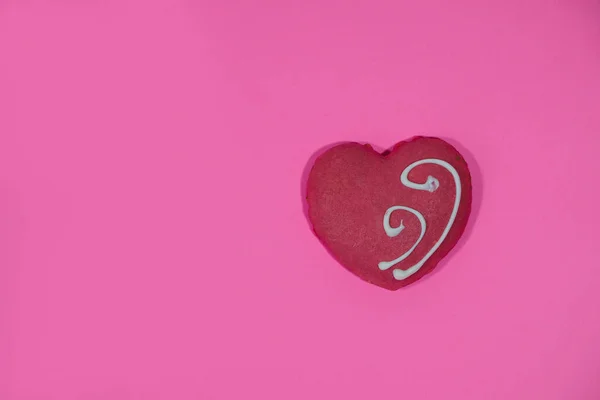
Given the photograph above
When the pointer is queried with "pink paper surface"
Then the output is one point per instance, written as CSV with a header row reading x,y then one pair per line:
x,y
153,243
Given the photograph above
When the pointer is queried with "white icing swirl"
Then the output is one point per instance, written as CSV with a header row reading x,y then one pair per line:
x,y
431,185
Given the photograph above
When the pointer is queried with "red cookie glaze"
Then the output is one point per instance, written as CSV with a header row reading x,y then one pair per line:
x,y
351,186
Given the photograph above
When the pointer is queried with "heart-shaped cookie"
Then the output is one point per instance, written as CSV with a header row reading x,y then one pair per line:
x,y
390,218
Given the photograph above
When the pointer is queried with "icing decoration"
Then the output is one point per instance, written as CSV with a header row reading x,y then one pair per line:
x,y
431,185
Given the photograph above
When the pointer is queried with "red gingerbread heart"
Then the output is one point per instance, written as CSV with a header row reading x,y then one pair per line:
x,y
390,218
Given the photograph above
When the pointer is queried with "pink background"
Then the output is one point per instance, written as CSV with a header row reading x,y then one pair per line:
x,y
152,238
